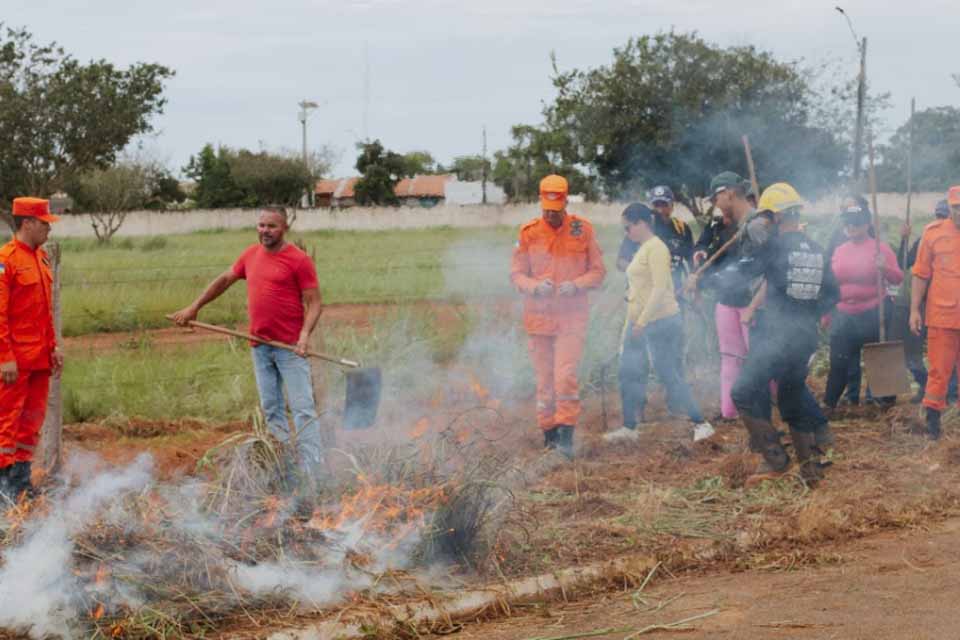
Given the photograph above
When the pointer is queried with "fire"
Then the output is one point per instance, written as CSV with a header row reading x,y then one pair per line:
x,y
98,611
420,429
102,576
272,506
384,509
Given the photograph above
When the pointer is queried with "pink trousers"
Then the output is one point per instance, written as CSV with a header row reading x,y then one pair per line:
x,y
734,340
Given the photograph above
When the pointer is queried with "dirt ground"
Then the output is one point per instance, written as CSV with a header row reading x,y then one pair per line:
x,y
890,586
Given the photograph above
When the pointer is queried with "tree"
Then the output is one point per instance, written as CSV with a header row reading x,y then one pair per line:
x,y
108,195
536,152
671,109
419,163
381,170
471,168
216,187
936,152
241,178
60,118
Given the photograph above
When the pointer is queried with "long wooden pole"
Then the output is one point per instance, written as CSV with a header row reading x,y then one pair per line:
x,y
750,166
51,434
343,362
878,232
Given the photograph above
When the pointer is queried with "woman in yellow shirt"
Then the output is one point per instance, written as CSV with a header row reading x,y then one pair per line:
x,y
653,327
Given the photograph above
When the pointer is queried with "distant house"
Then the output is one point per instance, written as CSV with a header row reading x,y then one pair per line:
x,y
336,193
418,191
423,191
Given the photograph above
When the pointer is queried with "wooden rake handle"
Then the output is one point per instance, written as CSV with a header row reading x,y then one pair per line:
x,y
272,343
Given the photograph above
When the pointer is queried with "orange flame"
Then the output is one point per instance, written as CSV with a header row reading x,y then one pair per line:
x,y
102,576
420,428
98,611
385,509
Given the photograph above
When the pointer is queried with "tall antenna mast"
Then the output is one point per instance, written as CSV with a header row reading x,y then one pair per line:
x,y
366,91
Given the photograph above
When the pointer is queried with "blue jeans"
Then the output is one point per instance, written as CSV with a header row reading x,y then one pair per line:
x,y
663,340
278,369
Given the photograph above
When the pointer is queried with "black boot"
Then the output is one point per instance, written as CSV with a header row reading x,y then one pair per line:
x,y
550,437
20,480
565,440
823,436
765,440
933,424
6,491
807,456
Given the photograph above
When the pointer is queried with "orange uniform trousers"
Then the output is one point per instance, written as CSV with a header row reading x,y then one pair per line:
x,y
23,406
943,351
556,360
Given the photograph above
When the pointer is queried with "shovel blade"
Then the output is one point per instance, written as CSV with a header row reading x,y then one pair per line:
x,y
886,368
363,398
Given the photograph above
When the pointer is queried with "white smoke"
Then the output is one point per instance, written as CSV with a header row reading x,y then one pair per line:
x,y
38,590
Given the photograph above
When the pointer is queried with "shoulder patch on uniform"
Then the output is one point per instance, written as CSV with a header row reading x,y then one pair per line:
x,y
576,227
3,268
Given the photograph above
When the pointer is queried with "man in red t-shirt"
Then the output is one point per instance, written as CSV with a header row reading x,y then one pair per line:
x,y
283,302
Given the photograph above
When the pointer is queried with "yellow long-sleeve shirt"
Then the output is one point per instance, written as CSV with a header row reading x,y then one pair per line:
x,y
650,296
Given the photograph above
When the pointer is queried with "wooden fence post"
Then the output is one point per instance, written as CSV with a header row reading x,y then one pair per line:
x,y
51,435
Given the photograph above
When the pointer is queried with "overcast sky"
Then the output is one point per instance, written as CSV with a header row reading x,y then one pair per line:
x,y
440,71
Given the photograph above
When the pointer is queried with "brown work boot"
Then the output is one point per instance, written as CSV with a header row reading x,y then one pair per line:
x,y
808,456
765,440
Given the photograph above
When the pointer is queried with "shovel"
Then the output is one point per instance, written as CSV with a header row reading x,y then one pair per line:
x,y
363,383
884,361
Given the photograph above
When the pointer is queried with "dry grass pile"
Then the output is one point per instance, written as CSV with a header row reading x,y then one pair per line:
x,y
256,540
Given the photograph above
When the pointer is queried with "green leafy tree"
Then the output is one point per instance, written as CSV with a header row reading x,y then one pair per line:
x,y
535,153
419,163
60,117
671,109
381,171
240,178
471,168
216,187
936,152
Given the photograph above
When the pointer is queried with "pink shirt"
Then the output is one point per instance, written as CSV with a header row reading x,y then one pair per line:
x,y
854,267
275,285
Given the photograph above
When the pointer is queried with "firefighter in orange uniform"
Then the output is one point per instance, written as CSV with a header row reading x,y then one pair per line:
x,y
28,348
936,276
556,262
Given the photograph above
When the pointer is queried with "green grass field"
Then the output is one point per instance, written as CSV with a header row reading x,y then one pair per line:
x,y
132,284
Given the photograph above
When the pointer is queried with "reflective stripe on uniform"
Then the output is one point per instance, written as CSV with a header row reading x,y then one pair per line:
x,y
568,398
25,447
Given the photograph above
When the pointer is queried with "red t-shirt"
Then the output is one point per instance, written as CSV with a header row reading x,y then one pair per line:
x,y
275,285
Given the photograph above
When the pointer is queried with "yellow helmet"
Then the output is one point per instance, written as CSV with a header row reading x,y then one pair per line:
x,y
779,197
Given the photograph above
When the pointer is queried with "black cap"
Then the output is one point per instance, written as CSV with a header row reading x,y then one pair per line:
x,y
660,193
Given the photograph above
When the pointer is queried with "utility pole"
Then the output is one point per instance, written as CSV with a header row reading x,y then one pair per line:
x,y
861,99
366,91
305,107
483,178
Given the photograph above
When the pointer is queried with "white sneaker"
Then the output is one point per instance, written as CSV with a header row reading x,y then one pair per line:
x,y
622,434
703,431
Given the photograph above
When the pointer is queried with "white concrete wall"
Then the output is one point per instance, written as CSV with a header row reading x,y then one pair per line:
x,y
149,223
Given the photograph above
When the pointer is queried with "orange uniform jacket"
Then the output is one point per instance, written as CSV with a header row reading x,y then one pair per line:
x,y
938,260
567,254
26,317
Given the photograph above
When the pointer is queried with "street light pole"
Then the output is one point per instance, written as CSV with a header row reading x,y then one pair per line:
x,y
861,100
305,107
